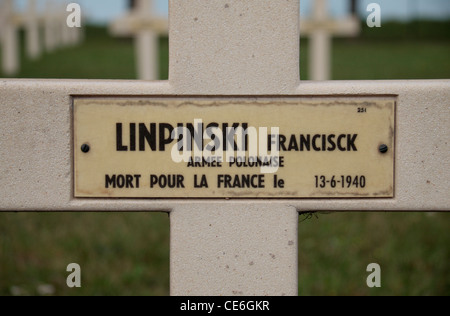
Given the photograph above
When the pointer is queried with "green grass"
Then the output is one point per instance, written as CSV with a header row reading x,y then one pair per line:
x,y
128,253
411,248
119,253
404,59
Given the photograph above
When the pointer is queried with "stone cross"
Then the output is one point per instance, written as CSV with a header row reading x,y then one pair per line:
x,y
32,25
2,19
227,50
10,39
320,28
52,26
146,28
76,34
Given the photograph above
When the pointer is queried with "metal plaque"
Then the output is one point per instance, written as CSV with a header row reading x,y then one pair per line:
x,y
235,147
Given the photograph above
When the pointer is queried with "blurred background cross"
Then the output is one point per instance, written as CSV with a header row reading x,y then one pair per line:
x,y
32,26
320,27
10,40
145,27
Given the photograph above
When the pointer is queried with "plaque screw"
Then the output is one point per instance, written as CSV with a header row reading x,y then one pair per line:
x,y
383,149
85,148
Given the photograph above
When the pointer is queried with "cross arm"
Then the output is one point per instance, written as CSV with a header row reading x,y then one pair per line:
x,y
36,167
130,24
344,27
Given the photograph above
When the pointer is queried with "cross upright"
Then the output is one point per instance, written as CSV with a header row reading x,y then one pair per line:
x,y
32,25
51,26
2,20
230,61
9,39
56,32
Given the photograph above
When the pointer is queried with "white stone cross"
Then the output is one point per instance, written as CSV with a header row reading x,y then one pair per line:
x,y
53,27
32,26
10,39
226,48
320,28
146,28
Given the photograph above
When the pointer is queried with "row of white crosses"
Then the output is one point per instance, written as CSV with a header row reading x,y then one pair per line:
x,y
146,27
56,33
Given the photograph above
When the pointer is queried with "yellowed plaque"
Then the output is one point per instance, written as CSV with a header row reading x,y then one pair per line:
x,y
249,147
